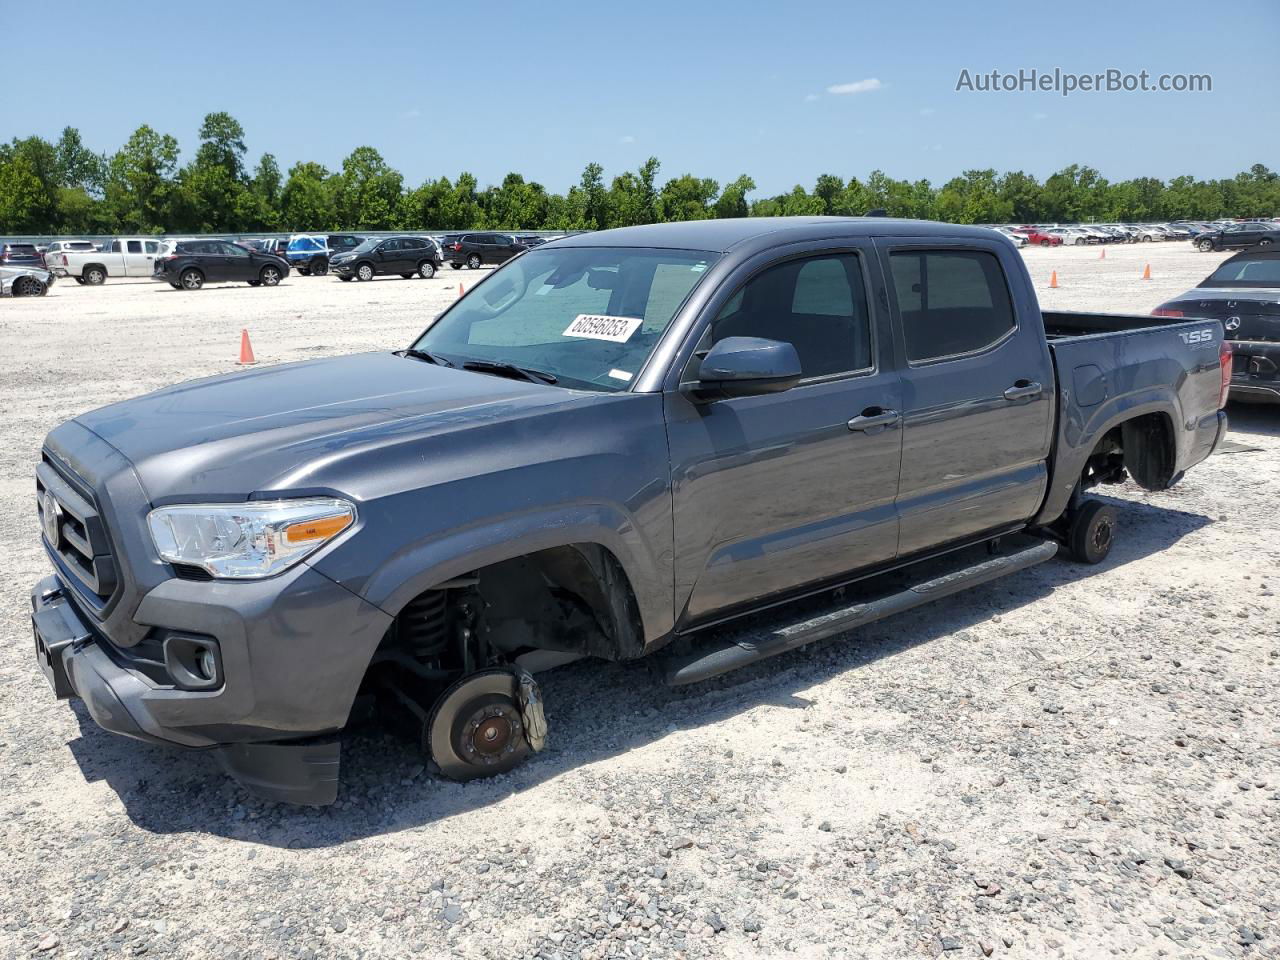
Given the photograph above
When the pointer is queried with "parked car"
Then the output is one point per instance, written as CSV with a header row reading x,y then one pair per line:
x,y
122,257
21,255
1238,236
531,241
1019,239
193,263
636,442
1040,237
308,255
1243,293
1145,233
476,249
59,247
25,281
1072,236
342,243
379,256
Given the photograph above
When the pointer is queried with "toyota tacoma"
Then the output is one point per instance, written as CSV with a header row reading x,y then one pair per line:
x,y
705,442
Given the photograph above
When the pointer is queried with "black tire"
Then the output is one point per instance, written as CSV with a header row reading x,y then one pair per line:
x,y
455,266
79,280
1146,238
269,276
345,278
364,272
426,269
407,276
254,283
319,266
94,275
1045,243
1091,532
1206,246
176,286
191,279
474,261
29,287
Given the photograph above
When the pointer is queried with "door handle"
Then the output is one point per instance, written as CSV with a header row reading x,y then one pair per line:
x,y
1023,390
874,418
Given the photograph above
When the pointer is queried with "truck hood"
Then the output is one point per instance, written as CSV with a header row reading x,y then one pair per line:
x,y
231,436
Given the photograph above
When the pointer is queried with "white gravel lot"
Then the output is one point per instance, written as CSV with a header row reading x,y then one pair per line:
x,y
1071,762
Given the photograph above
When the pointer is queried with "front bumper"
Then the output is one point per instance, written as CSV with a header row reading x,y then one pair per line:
x,y
1255,371
291,660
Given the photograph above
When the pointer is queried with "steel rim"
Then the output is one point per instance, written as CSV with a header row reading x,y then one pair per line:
x,y
270,277
191,281
474,263
427,271
1102,536
366,273
95,277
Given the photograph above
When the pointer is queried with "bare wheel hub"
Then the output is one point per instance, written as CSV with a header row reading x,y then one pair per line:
x,y
476,728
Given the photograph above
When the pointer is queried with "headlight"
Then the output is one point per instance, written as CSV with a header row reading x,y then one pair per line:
x,y
247,540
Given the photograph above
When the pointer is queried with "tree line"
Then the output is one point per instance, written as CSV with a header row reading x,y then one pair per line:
x,y
67,188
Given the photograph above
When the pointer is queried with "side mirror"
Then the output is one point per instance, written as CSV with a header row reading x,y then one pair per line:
x,y
746,367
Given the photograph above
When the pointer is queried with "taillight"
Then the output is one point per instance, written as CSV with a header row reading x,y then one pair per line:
x,y
457,246
64,259
1224,361
1166,312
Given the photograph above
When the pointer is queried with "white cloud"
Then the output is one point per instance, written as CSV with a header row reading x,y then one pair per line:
x,y
927,111
627,139
861,86
810,97
1039,116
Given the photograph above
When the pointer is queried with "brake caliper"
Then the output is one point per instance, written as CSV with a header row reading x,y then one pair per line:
x,y
535,721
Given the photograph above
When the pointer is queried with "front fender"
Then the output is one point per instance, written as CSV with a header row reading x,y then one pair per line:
x,y
420,565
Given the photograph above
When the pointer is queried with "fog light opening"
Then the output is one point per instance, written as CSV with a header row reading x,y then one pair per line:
x,y
207,664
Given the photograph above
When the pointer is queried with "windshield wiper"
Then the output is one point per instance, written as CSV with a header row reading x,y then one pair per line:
x,y
510,369
435,358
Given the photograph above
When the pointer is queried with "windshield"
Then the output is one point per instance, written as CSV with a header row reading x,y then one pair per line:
x,y
365,246
588,315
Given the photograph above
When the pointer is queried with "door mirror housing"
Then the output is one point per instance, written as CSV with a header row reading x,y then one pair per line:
x,y
746,367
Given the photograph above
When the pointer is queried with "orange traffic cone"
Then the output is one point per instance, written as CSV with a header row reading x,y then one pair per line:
x,y
246,349
460,290
1053,280
1146,272
1103,254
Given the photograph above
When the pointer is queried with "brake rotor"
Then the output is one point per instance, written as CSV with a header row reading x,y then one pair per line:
x,y
477,727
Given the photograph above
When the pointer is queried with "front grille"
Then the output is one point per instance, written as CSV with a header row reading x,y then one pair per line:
x,y
77,537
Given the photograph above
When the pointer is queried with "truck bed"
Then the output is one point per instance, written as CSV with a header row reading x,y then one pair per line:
x,y
1117,367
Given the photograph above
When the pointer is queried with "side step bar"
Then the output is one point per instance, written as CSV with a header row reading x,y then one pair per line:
x,y
764,641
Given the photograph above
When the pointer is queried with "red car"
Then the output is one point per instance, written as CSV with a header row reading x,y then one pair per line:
x,y
1035,236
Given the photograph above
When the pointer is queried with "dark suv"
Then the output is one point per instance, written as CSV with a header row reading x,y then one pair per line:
x,y
476,249
21,255
340,243
404,256
193,263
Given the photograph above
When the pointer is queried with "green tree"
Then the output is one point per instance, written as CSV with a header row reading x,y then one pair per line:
x,y
140,180
687,198
222,144
973,197
367,192
733,200
306,201
22,197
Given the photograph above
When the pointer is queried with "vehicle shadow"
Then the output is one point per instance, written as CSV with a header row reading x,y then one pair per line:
x,y
385,788
1262,419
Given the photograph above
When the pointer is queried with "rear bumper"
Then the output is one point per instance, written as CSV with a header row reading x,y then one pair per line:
x,y
1255,371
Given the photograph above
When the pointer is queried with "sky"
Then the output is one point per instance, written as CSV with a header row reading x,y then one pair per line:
x,y
780,91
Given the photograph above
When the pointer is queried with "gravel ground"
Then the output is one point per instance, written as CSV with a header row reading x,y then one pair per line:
x,y
1071,762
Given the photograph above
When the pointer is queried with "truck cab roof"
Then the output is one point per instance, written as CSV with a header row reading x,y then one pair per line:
x,y
731,234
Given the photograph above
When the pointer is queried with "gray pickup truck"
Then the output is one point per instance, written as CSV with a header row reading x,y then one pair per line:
x,y
708,442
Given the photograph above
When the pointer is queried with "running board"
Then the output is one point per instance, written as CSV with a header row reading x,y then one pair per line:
x,y
765,640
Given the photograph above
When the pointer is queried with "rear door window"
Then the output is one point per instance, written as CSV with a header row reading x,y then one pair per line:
x,y
950,302
135,246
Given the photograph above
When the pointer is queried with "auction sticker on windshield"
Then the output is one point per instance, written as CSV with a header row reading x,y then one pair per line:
x,y
596,326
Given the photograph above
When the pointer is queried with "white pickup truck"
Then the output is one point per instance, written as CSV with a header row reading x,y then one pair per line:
x,y
122,257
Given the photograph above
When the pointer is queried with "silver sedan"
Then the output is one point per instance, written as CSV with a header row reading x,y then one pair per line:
x,y
24,281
